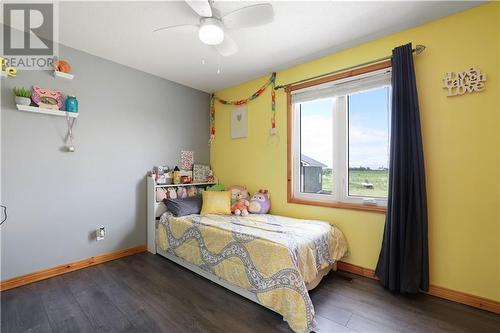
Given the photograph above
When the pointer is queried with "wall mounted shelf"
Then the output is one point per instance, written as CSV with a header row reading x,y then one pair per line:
x,y
35,109
63,75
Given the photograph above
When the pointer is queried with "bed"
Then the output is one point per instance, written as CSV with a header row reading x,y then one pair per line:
x,y
272,260
269,259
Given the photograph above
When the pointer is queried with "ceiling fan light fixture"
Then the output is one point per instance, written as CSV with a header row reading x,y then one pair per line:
x,y
211,31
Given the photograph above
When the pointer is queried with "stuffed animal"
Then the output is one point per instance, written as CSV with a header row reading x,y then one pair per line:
x,y
260,202
235,190
240,207
181,192
172,194
239,200
192,191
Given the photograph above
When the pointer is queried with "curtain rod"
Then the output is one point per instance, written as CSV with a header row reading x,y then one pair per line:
x,y
417,50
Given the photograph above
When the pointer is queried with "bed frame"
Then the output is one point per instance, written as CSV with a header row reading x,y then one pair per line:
x,y
155,210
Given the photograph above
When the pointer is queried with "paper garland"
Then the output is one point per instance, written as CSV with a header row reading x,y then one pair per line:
x,y
270,82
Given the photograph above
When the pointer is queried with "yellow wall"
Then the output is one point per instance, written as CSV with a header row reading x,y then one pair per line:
x,y
461,144
498,94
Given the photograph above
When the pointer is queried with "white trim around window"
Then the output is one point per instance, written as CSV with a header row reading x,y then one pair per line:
x,y
338,90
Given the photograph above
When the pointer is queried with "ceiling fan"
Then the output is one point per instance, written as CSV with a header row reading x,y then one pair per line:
x,y
213,25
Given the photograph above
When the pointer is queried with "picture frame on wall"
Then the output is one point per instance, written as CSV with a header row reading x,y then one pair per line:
x,y
239,123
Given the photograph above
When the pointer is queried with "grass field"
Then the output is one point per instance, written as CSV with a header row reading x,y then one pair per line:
x,y
379,179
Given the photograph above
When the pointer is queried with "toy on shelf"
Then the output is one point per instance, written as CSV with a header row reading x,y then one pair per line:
x,y
185,180
46,98
260,202
62,66
176,175
185,177
162,175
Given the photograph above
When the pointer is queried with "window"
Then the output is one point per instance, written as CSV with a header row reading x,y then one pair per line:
x,y
339,144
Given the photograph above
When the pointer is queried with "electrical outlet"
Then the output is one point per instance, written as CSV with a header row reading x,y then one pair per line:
x,y
100,233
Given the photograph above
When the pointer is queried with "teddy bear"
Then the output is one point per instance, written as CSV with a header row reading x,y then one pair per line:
x,y
235,190
239,200
240,207
260,202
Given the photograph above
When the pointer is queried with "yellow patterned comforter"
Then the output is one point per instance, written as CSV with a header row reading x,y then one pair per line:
x,y
268,255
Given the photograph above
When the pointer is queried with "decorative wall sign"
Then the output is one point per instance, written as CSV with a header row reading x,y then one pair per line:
x,y
461,83
239,123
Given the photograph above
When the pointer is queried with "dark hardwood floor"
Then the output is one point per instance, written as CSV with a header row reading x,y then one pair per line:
x,y
147,293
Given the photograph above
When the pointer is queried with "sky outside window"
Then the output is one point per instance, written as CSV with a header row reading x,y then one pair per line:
x,y
369,129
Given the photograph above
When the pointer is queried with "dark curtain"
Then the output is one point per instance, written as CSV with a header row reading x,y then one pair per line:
x,y
403,264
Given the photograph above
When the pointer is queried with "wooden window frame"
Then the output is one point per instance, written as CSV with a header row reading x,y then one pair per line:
x,y
289,89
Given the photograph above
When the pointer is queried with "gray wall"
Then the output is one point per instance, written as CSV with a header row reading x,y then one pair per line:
x,y
129,121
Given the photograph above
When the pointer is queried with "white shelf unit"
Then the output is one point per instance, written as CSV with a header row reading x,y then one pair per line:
x,y
155,209
63,75
35,109
177,185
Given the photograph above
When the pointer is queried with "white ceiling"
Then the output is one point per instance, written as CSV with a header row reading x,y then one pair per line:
x,y
303,30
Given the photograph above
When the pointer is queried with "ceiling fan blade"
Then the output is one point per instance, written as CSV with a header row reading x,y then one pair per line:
x,y
185,26
250,16
201,7
228,47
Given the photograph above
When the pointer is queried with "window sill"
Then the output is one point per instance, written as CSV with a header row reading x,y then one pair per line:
x,y
341,205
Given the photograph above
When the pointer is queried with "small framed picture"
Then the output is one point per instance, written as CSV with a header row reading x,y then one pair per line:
x,y
200,173
186,160
239,123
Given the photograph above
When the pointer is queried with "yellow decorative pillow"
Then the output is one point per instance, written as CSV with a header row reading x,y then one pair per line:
x,y
216,202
